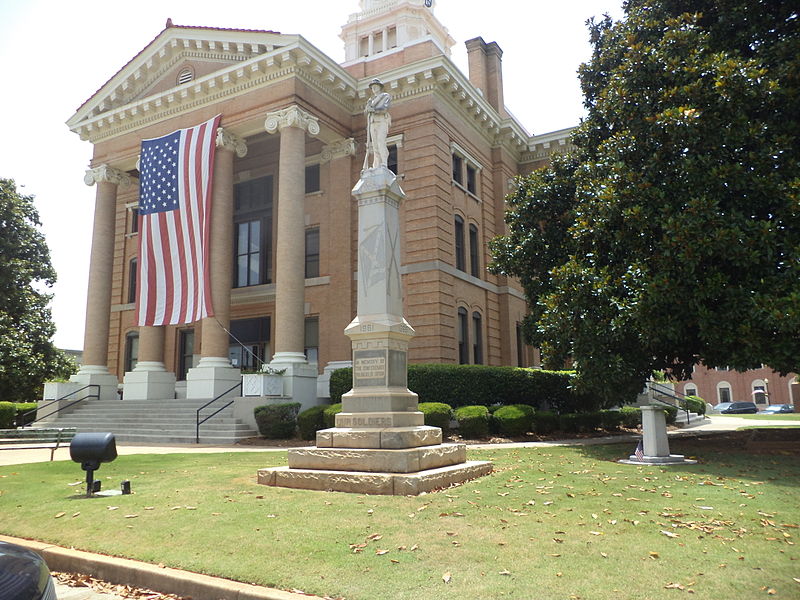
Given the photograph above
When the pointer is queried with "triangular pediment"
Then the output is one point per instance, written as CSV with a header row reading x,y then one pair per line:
x,y
178,56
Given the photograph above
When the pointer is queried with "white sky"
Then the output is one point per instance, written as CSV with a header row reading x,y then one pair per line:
x,y
56,54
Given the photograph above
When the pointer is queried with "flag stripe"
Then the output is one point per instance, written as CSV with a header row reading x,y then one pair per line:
x,y
174,208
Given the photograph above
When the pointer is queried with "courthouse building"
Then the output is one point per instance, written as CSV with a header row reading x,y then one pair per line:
x,y
284,235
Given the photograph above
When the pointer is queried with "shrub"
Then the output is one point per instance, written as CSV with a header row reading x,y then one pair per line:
x,y
473,421
340,383
589,421
514,419
631,416
544,422
671,413
277,421
22,408
610,419
568,423
8,411
695,404
310,421
329,414
437,414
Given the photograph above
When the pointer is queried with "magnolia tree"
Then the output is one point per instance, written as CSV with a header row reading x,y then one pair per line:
x,y
672,234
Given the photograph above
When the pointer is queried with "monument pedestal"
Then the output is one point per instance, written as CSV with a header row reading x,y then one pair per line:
x,y
655,443
380,444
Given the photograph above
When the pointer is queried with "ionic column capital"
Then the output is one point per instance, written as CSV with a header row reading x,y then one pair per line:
x,y
339,149
229,141
293,116
106,173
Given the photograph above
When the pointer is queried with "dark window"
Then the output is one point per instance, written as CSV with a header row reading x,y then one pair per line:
x,y
311,339
463,337
249,342
472,186
253,244
724,394
474,252
520,347
312,252
248,253
477,338
134,220
312,178
461,260
458,163
392,161
186,356
131,351
133,272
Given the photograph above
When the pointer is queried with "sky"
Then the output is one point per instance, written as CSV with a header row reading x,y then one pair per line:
x,y
54,55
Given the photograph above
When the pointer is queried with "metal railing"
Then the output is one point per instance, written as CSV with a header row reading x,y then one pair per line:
x,y
209,403
96,394
670,393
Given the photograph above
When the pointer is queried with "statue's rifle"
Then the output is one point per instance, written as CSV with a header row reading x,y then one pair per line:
x,y
369,146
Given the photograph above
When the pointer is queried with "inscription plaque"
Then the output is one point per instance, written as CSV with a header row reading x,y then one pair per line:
x,y
369,367
398,372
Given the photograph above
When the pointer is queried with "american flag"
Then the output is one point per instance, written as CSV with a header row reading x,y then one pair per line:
x,y
639,452
174,218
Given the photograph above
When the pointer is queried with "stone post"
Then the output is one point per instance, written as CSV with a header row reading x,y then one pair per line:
x,y
214,374
655,443
94,369
299,378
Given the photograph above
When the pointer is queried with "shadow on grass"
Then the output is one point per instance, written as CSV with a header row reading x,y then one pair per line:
x,y
752,454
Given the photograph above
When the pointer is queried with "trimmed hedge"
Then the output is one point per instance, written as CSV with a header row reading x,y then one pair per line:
x,y
473,421
329,414
468,385
513,420
8,410
695,403
610,419
544,422
631,416
310,421
22,408
437,414
277,421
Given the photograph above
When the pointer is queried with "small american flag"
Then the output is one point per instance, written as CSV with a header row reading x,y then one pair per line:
x,y
639,452
174,218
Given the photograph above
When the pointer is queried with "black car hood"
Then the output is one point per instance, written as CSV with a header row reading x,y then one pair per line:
x,y
23,574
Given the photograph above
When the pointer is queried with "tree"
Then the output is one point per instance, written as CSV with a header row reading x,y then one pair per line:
x,y
27,354
672,235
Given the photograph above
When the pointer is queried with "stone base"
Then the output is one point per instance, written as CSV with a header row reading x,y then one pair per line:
x,y
407,460
379,419
360,482
389,438
96,375
209,380
148,385
672,459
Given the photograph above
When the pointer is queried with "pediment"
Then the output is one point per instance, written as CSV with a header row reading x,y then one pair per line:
x,y
157,68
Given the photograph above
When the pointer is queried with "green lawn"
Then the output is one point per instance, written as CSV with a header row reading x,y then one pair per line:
x,y
779,417
555,523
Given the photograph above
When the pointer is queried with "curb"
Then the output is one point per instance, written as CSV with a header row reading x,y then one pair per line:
x,y
140,574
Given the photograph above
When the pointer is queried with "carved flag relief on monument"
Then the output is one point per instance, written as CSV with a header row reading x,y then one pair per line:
x,y
174,210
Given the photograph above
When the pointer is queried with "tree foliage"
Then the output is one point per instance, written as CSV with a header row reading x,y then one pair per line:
x,y
672,234
27,354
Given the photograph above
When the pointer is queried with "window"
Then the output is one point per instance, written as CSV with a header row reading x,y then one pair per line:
x,y
312,252
520,348
477,338
253,230
724,392
472,173
133,268
759,391
463,336
474,252
248,253
186,356
134,220
312,179
249,342
131,351
311,339
690,390
461,262
391,163
458,164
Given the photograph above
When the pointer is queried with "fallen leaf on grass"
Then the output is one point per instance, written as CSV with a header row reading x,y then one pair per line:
x,y
112,507
394,560
375,537
653,554
381,552
76,514
505,572
604,555
670,534
447,577
131,516
59,515
673,586
414,548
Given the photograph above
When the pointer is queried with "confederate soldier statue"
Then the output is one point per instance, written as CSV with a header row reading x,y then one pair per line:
x,y
378,122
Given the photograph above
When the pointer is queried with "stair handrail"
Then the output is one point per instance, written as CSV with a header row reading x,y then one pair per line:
x,y
670,393
209,403
95,394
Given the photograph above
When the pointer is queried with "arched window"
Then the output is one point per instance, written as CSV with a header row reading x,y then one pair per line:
x,y
759,391
463,337
133,268
461,259
724,392
477,338
690,390
474,252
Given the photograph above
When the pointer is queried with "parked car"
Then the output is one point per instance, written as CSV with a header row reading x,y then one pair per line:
x,y
740,408
24,575
774,409
722,406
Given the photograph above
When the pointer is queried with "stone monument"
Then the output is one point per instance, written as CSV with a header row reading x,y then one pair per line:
x,y
655,443
380,444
